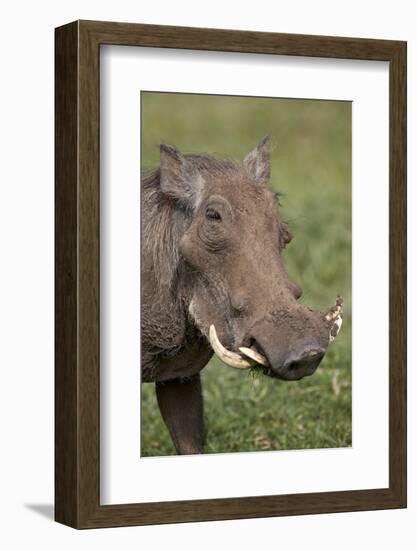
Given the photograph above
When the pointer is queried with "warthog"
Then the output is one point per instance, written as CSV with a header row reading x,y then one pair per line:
x,y
213,280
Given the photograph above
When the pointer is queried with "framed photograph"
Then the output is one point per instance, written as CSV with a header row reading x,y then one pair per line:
x,y
230,274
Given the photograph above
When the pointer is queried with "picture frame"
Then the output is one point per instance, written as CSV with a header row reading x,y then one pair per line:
x,y
77,261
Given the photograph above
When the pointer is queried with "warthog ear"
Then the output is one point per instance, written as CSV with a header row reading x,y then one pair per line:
x,y
179,179
258,161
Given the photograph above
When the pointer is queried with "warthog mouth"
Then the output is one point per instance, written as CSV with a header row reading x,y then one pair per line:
x,y
252,357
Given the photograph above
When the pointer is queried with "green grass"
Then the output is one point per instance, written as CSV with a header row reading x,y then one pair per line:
x,y
311,166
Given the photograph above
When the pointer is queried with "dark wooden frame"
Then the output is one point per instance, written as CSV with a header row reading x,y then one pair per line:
x,y
77,274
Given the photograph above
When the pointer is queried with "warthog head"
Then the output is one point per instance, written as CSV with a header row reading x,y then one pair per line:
x,y
240,296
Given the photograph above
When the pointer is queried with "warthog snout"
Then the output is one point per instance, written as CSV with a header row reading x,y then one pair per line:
x,y
289,357
288,344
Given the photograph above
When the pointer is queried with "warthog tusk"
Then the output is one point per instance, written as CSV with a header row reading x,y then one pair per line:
x,y
335,315
335,311
334,331
255,355
229,357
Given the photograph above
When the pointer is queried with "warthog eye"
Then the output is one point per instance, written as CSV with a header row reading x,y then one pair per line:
x,y
213,214
285,235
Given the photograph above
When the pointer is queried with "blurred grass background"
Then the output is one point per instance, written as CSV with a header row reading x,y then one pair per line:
x,y
311,166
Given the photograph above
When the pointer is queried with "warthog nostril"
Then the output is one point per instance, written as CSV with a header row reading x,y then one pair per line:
x,y
305,359
315,352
